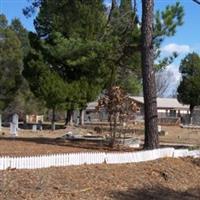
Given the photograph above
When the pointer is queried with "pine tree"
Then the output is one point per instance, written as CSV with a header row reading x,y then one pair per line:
x,y
125,7
71,18
189,88
22,34
46,84
124,37
10,63
72,48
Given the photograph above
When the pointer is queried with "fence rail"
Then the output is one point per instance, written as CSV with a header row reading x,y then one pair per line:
x,y
69,159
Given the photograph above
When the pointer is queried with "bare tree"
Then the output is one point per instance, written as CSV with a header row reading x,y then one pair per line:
x,y
119,107
148,74
164,80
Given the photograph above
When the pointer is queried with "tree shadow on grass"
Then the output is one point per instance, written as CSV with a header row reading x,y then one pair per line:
x,y
157,193
82,144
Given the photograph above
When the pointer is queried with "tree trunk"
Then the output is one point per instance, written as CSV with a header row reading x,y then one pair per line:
x,y
69,120
148,74
53,126
191,112
113,131
81,117
66,118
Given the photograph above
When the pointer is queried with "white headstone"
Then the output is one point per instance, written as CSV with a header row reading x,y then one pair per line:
x,y
15,120
34,128
14,125
13,129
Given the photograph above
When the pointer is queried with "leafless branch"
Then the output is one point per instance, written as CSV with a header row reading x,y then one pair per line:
x,y
163,82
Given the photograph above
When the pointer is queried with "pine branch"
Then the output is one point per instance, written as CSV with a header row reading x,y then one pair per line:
x,y
197,1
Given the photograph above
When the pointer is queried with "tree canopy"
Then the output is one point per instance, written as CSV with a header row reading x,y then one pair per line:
x,y
70,47
10,63
189,88
14,89
22,34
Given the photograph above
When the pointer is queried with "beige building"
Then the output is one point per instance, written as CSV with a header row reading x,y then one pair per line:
x,y
167,107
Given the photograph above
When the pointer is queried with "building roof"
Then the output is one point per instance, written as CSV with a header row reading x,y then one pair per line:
x,y
165,103
162,103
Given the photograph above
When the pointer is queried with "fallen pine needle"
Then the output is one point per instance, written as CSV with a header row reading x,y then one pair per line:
x,y
76,191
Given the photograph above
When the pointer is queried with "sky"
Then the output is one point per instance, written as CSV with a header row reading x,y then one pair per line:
x,y
187,38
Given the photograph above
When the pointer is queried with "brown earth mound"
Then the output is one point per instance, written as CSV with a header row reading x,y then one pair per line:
x,y
167,179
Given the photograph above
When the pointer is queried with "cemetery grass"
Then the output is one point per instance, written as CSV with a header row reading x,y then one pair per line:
x,y
164,179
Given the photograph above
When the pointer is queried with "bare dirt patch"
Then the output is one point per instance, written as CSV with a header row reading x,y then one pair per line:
x,y
177,134
29,143
21,147
161,179
40,146
36,143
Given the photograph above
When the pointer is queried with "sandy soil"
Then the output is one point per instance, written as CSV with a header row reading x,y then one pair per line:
x,y
166,179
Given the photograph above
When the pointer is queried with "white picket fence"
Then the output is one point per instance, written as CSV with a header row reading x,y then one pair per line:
x,y
69,159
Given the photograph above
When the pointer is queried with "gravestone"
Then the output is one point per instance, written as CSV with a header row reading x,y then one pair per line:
x,y
13,129
15,120
34,128
14,125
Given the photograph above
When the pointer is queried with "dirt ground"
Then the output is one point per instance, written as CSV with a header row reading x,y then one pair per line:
x,y
43,142
177,134
26,133
29,143
166,179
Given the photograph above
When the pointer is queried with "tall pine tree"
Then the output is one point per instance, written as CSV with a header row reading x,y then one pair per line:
x,y
71,47
10,63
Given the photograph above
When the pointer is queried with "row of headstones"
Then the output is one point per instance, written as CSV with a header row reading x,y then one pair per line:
x,y
14,125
